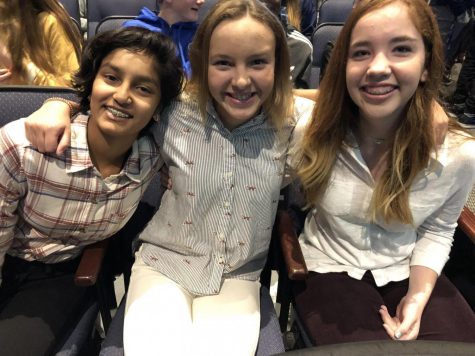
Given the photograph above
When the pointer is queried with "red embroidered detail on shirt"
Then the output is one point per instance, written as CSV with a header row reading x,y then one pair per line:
x,y
251,187
190,194
189,163
187,262
246,217
188,222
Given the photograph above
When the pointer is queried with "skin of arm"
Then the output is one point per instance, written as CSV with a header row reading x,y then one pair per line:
x,y
51,135
405,325
311,94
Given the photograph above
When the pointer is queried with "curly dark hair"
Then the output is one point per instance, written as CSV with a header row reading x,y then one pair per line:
x,y
136,39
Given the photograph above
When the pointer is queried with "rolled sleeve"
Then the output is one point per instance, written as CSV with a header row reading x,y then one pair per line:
x,y
435,235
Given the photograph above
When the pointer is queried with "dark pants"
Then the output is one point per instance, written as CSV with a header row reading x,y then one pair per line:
x,y
336,308
38,305
465,90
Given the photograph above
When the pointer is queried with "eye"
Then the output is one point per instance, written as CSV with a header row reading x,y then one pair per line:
x,y
144,89
359,54
110,78
402,49
222,63
259,62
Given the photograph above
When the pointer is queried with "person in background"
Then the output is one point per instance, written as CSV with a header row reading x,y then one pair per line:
x,y
300,48
177,19
384,194
301,14
39,43
52,206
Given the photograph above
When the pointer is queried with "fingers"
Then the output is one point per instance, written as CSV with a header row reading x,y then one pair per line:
x,y
35,136
165,179
63,144
5,74
390,324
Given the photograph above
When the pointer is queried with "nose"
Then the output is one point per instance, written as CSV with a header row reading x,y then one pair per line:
x,y
122,95
379,67
200,2
241,78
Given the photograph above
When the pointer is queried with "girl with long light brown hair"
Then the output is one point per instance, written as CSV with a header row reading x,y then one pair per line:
x,y
39,43
385,196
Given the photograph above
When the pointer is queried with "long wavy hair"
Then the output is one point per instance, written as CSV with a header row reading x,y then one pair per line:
x,y
24,34
279,105
336,114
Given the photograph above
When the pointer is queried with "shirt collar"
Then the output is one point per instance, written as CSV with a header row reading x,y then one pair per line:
x,y
258,120
79,159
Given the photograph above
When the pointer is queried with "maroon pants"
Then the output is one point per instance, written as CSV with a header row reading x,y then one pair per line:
x,y
337,308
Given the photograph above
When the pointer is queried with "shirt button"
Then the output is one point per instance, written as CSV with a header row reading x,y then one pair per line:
x,y
226,204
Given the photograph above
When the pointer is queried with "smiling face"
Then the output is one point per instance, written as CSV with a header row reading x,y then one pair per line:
x,y
386,63
240,74
125,94
180,10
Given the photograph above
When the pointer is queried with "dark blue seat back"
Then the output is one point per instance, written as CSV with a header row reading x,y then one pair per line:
x,y
20,101
324,33
72,8
112,23
100,9
334,11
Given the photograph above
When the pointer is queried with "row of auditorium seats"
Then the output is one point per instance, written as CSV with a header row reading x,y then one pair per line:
x,y
103,15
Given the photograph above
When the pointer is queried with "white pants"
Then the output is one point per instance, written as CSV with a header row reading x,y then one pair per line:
x,y
162,318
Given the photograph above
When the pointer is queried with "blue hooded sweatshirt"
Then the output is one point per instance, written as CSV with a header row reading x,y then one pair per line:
x,y
182,33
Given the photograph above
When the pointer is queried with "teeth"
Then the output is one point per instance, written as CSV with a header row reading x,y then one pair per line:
x,y
379,90
118,113
242,97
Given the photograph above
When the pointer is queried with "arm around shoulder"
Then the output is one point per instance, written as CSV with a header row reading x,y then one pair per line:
x,y
49,128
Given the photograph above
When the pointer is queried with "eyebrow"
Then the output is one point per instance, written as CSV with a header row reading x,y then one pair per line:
x,y
139,78
394,40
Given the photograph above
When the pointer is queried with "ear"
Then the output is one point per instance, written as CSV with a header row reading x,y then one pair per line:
x,y
424,76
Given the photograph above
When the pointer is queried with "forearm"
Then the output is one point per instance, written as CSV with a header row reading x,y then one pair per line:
x,y
311,94
421,283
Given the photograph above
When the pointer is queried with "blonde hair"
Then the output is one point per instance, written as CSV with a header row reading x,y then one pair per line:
x,y
336,113
24,35
279,105
294,13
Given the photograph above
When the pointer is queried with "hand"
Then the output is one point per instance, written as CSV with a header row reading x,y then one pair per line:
x,y
405,325
5,74
48,128
165,179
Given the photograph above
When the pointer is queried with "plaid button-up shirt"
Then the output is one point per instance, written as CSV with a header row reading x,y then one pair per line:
x,y
52,206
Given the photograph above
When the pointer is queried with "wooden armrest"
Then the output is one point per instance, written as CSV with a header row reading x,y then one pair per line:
x,y
90,264
467,223
293,257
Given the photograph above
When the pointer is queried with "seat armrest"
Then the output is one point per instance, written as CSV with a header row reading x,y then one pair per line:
x,y
291,251
467,223
90,264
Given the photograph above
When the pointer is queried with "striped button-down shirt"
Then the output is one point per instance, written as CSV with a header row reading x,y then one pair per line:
x,y
52,206
216,222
